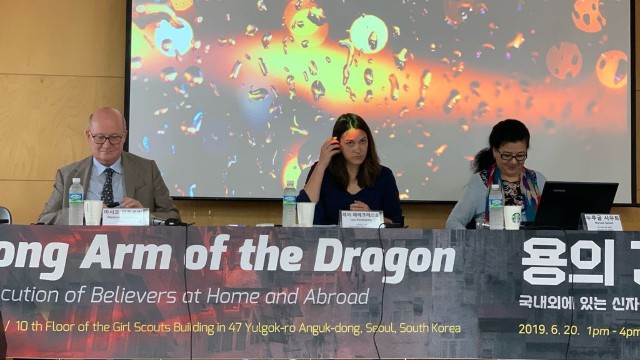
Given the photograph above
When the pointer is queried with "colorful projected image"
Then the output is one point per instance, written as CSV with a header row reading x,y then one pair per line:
x,y
233,98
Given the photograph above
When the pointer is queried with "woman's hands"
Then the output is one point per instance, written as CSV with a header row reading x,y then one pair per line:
x,y
358,205
329,148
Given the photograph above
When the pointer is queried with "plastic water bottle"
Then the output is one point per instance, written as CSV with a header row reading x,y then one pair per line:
x,y
76,203
289,205
496,208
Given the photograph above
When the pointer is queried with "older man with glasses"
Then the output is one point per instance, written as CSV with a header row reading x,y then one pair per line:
x,y
110,174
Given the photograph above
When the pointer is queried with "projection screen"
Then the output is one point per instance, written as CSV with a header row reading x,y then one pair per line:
x,y
233,98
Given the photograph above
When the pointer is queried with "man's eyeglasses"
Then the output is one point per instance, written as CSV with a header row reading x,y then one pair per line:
x,y
101,139
508,157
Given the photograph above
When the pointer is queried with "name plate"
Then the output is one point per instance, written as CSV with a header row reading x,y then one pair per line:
x,y
125,217
602,222
361,219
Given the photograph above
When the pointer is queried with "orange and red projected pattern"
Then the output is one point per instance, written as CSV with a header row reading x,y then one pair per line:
x,y
234,98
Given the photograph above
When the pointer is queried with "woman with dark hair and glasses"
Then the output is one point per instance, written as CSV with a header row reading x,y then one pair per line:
x,y
501,163
348,175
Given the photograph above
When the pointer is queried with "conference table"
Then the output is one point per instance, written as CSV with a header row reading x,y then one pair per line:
x,y
318,292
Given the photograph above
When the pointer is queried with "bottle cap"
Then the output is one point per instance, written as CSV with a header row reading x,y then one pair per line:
x,y
494,186
289,183
76,180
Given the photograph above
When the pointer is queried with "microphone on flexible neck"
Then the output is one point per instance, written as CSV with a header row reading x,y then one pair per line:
x,y
168,222
157,221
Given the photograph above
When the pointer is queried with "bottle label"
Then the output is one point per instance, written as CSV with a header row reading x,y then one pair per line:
x,y
495,203
75,198
289,200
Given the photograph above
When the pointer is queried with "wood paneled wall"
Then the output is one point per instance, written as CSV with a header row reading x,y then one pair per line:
x,y
62,59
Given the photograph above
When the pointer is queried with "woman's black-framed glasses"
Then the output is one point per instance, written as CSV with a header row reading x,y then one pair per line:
x,y
507,157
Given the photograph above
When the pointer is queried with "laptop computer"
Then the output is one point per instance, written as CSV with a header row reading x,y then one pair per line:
x,y
562,203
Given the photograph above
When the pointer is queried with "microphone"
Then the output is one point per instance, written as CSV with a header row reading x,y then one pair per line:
x,y
174,222
393,225
168,222
157,221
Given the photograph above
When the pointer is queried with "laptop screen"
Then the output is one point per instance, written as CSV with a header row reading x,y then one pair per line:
x,y
562,202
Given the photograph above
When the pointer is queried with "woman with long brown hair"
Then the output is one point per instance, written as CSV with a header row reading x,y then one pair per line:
x,y
349,176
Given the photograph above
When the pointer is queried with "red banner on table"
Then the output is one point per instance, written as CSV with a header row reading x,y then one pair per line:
x,y
178,292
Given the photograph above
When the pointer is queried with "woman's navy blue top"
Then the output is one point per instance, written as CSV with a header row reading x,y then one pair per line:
x,y
382,196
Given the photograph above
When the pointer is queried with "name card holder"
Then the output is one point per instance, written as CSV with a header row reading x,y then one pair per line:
x,y
125,217
361,219
601,222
